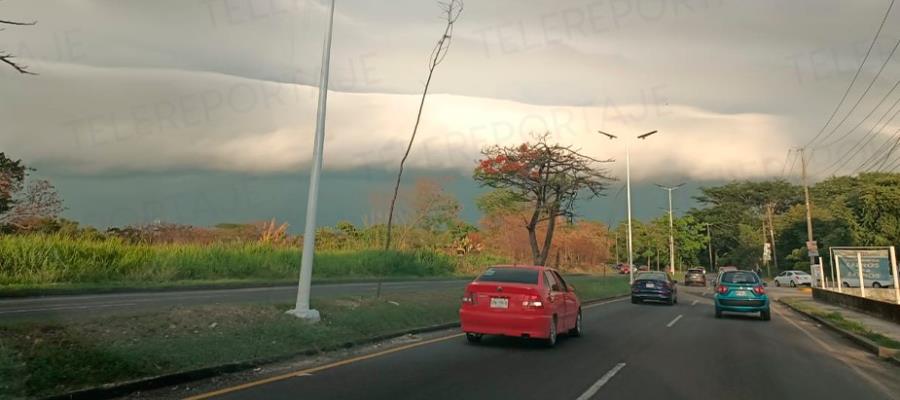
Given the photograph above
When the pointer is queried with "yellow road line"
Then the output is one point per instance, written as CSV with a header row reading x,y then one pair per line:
x,y
309,371
319,368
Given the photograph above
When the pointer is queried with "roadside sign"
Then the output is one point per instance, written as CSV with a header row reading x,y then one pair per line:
x,y
812,248
767,252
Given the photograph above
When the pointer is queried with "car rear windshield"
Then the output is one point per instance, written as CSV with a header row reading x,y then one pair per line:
x,y
739,277
652,276
510,275
695,271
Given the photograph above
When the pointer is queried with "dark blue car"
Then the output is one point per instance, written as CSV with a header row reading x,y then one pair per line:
x,y
654,286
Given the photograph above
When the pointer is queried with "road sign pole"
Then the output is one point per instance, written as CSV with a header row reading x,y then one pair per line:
x,y
837,270
859,269
301,309
894,269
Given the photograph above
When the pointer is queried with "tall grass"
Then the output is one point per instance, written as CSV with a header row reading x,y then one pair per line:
x,y
47,259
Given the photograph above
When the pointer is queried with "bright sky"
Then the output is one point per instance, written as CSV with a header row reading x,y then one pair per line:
x,y
132,87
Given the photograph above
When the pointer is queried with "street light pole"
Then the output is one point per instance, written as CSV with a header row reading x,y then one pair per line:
x,y
301,309
628,200
628,195
671,228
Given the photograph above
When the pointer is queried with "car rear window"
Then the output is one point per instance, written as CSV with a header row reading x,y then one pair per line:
x,y
739,277
695,271
652,276
510,275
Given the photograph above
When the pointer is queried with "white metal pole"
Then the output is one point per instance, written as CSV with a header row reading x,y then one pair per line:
x,y
628,197
671,236
894,268
837,270
859,269
301,309
822,271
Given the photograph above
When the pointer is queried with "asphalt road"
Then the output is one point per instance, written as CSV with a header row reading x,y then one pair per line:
x,y
66,307
628,352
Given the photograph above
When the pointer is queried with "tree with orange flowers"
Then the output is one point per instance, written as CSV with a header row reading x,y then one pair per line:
x,y
548,177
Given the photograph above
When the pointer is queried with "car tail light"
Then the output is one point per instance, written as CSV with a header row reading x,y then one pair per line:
x,y
470,298
533,301
722,289
759,290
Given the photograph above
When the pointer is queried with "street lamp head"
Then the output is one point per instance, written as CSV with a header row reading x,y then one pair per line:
x,y
609,135
646,135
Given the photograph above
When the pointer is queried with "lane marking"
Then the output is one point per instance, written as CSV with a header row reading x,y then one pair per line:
x,y
694,303
603,303
602,381
28,310
836,355
309,371
674,321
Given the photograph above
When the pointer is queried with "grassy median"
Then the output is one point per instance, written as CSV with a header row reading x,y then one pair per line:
x,y
41,359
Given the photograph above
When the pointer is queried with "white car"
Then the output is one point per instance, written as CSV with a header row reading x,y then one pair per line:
x,y
875,283
793,279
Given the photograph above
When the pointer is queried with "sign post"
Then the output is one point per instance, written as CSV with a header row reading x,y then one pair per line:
x,y
862,284
837,268
895,272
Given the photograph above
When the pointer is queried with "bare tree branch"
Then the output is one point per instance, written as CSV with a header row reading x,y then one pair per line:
x,y
7,58
452,10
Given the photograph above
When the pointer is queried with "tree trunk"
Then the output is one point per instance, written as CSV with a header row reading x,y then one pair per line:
x,y
548,240
532,235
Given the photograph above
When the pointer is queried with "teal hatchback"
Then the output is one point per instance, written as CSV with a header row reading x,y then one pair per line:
x,y
742,292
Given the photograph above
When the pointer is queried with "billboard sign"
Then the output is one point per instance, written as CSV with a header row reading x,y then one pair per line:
x,y
876,266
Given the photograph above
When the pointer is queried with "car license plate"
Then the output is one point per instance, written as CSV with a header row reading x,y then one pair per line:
x,y
650,285
741,293
499,302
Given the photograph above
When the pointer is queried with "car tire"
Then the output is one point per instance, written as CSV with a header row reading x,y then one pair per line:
x,y
777,283
718,313
876,285
765,315
793,284
553,336
846,285
473,337
634,300
577,331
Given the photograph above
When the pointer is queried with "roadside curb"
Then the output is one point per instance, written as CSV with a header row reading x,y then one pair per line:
x,y
114,390
63,291
885,353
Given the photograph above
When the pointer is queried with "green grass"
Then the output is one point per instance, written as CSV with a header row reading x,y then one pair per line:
x,y
46,260
42,359
850,325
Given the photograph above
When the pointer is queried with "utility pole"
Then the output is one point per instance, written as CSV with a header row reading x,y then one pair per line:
x,y
628,196
301,309
709,247
809,226
769,212
671,227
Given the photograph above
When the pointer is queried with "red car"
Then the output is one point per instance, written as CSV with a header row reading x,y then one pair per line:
x,y
520,301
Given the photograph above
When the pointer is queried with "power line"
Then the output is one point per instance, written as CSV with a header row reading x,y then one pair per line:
x,y
855,76
881,155
859,100
787,158
871,134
